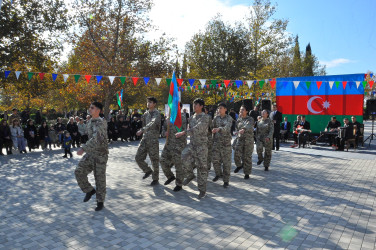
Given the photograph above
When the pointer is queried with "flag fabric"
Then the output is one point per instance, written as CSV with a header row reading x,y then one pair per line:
x,y
119,98
320,99
174,104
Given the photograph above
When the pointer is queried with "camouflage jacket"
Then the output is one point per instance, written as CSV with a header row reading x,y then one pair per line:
x,y
265,129
151,124
98,140
172,141
198,128
247,124
224,124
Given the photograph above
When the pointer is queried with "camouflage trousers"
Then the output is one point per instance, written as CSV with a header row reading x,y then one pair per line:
x,y
172,156
222,156
243,155
196,156
151,147
96,164
210,153
260,146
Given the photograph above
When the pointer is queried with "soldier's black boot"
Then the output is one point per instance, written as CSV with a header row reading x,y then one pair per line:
x,y
178,188
201,195
266,169
147,175
246,176
259,162
216,178
88,195
188,180
170,180
225,185
154,183
237,169
100,206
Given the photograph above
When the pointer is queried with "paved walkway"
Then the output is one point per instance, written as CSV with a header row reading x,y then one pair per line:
x,y
310,198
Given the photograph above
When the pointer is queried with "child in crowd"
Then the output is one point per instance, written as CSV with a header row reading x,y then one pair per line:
x,y
67,143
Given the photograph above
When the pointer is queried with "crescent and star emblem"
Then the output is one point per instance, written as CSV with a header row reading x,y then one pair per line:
x,y
325,105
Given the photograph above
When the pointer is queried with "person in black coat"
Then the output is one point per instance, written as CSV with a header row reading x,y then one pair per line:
x,y
285,129
60,128
276,117
333,126
305,129
348,134
31,135
124,128
43,135
112,130
72,128
5,138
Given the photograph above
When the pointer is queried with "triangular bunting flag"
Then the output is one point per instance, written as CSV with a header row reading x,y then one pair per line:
x,y
134,79
41,76
65,76
191,82
337,84
168,81
7,72
227,82
262,82
202,81
331,84
87,77
371,84
364,84
308,84
158,80
296,84
238,83
318,84
344,83
99,78
272,83
111,78
213,82
180,81
351,84
76,77
122,79
18,73
30,75
54,77
249,83
146,80
357,84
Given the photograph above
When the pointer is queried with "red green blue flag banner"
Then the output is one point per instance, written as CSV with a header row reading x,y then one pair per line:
x,y
174,104
319,99
120,98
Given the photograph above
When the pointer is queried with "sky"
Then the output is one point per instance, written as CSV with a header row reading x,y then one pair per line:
x,y
342,33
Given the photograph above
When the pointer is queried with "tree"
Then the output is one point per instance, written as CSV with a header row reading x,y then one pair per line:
x,y
267,38
110,42
297,60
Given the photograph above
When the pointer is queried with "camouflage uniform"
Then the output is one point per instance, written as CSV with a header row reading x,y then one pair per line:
x,y
222,146
95,159
244,144
196,152
265,129
151,124
210,143
171,154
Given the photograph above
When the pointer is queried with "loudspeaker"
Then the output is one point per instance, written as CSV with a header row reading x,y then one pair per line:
x,y
266,104
371,106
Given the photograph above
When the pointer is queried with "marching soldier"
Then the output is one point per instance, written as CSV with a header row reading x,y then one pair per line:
x,y
244,143
151,123
264,135
210,139
196,152
95,159
171,154
222,145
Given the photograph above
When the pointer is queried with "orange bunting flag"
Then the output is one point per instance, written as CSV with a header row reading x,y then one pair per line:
x,y
272,83
180,81
318,84
88,77
227,82
344,83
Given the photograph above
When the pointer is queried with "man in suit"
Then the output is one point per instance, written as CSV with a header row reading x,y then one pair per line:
x,y
276,117
285,128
